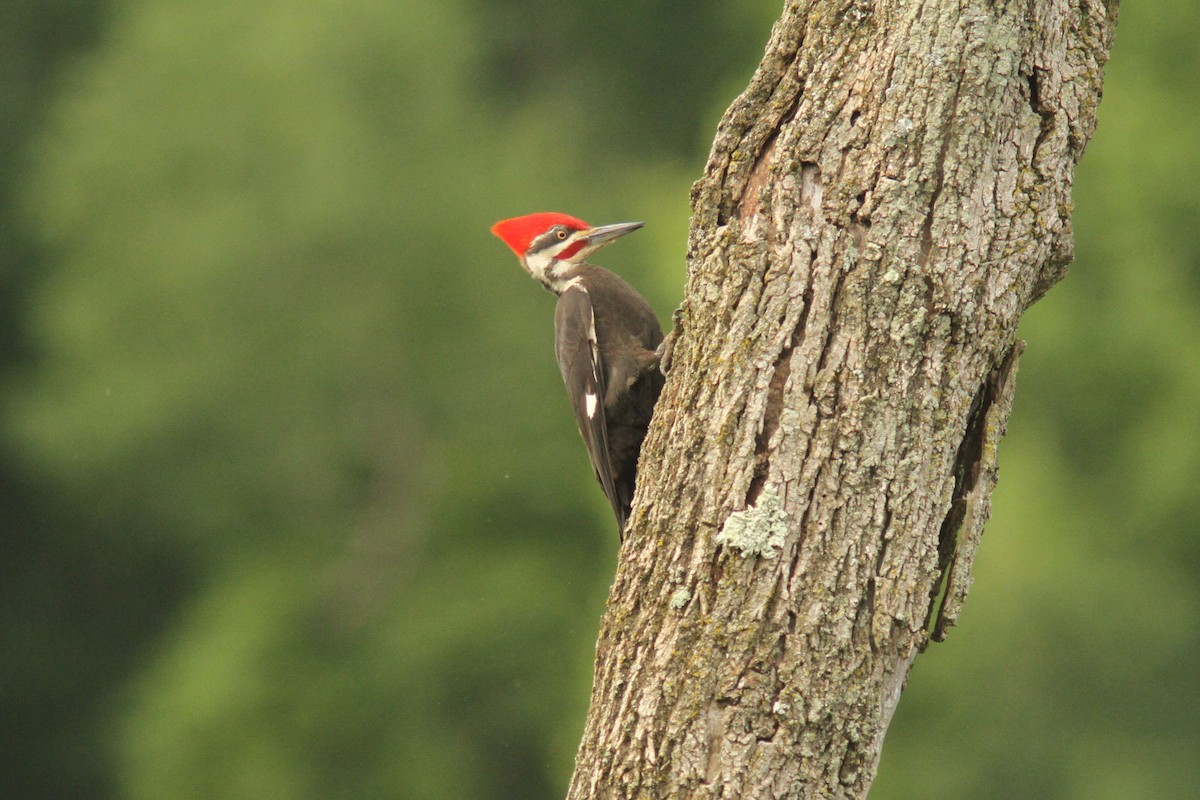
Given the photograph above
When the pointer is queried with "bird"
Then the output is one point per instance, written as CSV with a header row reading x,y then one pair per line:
x,y
606,340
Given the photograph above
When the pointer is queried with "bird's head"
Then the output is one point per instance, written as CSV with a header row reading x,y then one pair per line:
x,y
549,244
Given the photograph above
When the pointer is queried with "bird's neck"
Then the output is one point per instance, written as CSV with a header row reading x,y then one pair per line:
x,y
558,276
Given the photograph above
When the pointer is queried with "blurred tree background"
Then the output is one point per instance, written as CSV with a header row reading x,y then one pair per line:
x,y
292,502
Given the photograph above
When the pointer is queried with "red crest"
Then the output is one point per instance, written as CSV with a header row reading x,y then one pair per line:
x,y
519,232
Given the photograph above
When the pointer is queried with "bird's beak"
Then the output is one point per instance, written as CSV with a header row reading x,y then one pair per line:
x,y
604,234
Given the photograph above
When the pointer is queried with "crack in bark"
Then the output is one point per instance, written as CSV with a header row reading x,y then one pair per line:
x,y
834,297
811,189
759,177
1046,114
939,178
770,422
965,474
974,476
880,558
775,86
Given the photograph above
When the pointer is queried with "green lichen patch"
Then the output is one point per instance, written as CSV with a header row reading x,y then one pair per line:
x,y
680,598
759,530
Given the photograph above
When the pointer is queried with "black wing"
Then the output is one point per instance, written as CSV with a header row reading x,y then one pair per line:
x,y
583,372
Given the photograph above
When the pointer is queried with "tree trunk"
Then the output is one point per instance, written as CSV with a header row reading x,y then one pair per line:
x,y
886,198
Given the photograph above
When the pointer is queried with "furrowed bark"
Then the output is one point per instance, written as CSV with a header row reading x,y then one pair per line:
x,y
881,204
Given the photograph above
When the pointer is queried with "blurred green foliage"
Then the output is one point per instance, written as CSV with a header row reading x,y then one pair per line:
x,y
293,503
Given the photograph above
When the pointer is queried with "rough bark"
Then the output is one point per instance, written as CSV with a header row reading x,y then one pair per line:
x,y
890,193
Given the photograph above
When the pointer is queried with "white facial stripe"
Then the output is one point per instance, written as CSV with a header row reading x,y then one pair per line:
x,y
538,265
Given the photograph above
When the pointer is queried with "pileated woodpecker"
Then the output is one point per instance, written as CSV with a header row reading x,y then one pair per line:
x,y
605,337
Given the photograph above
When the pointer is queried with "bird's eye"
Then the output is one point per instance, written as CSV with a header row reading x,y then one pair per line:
x,y
562,234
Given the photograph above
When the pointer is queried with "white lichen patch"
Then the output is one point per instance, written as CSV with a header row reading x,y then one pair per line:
x,y
759,530
680,598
